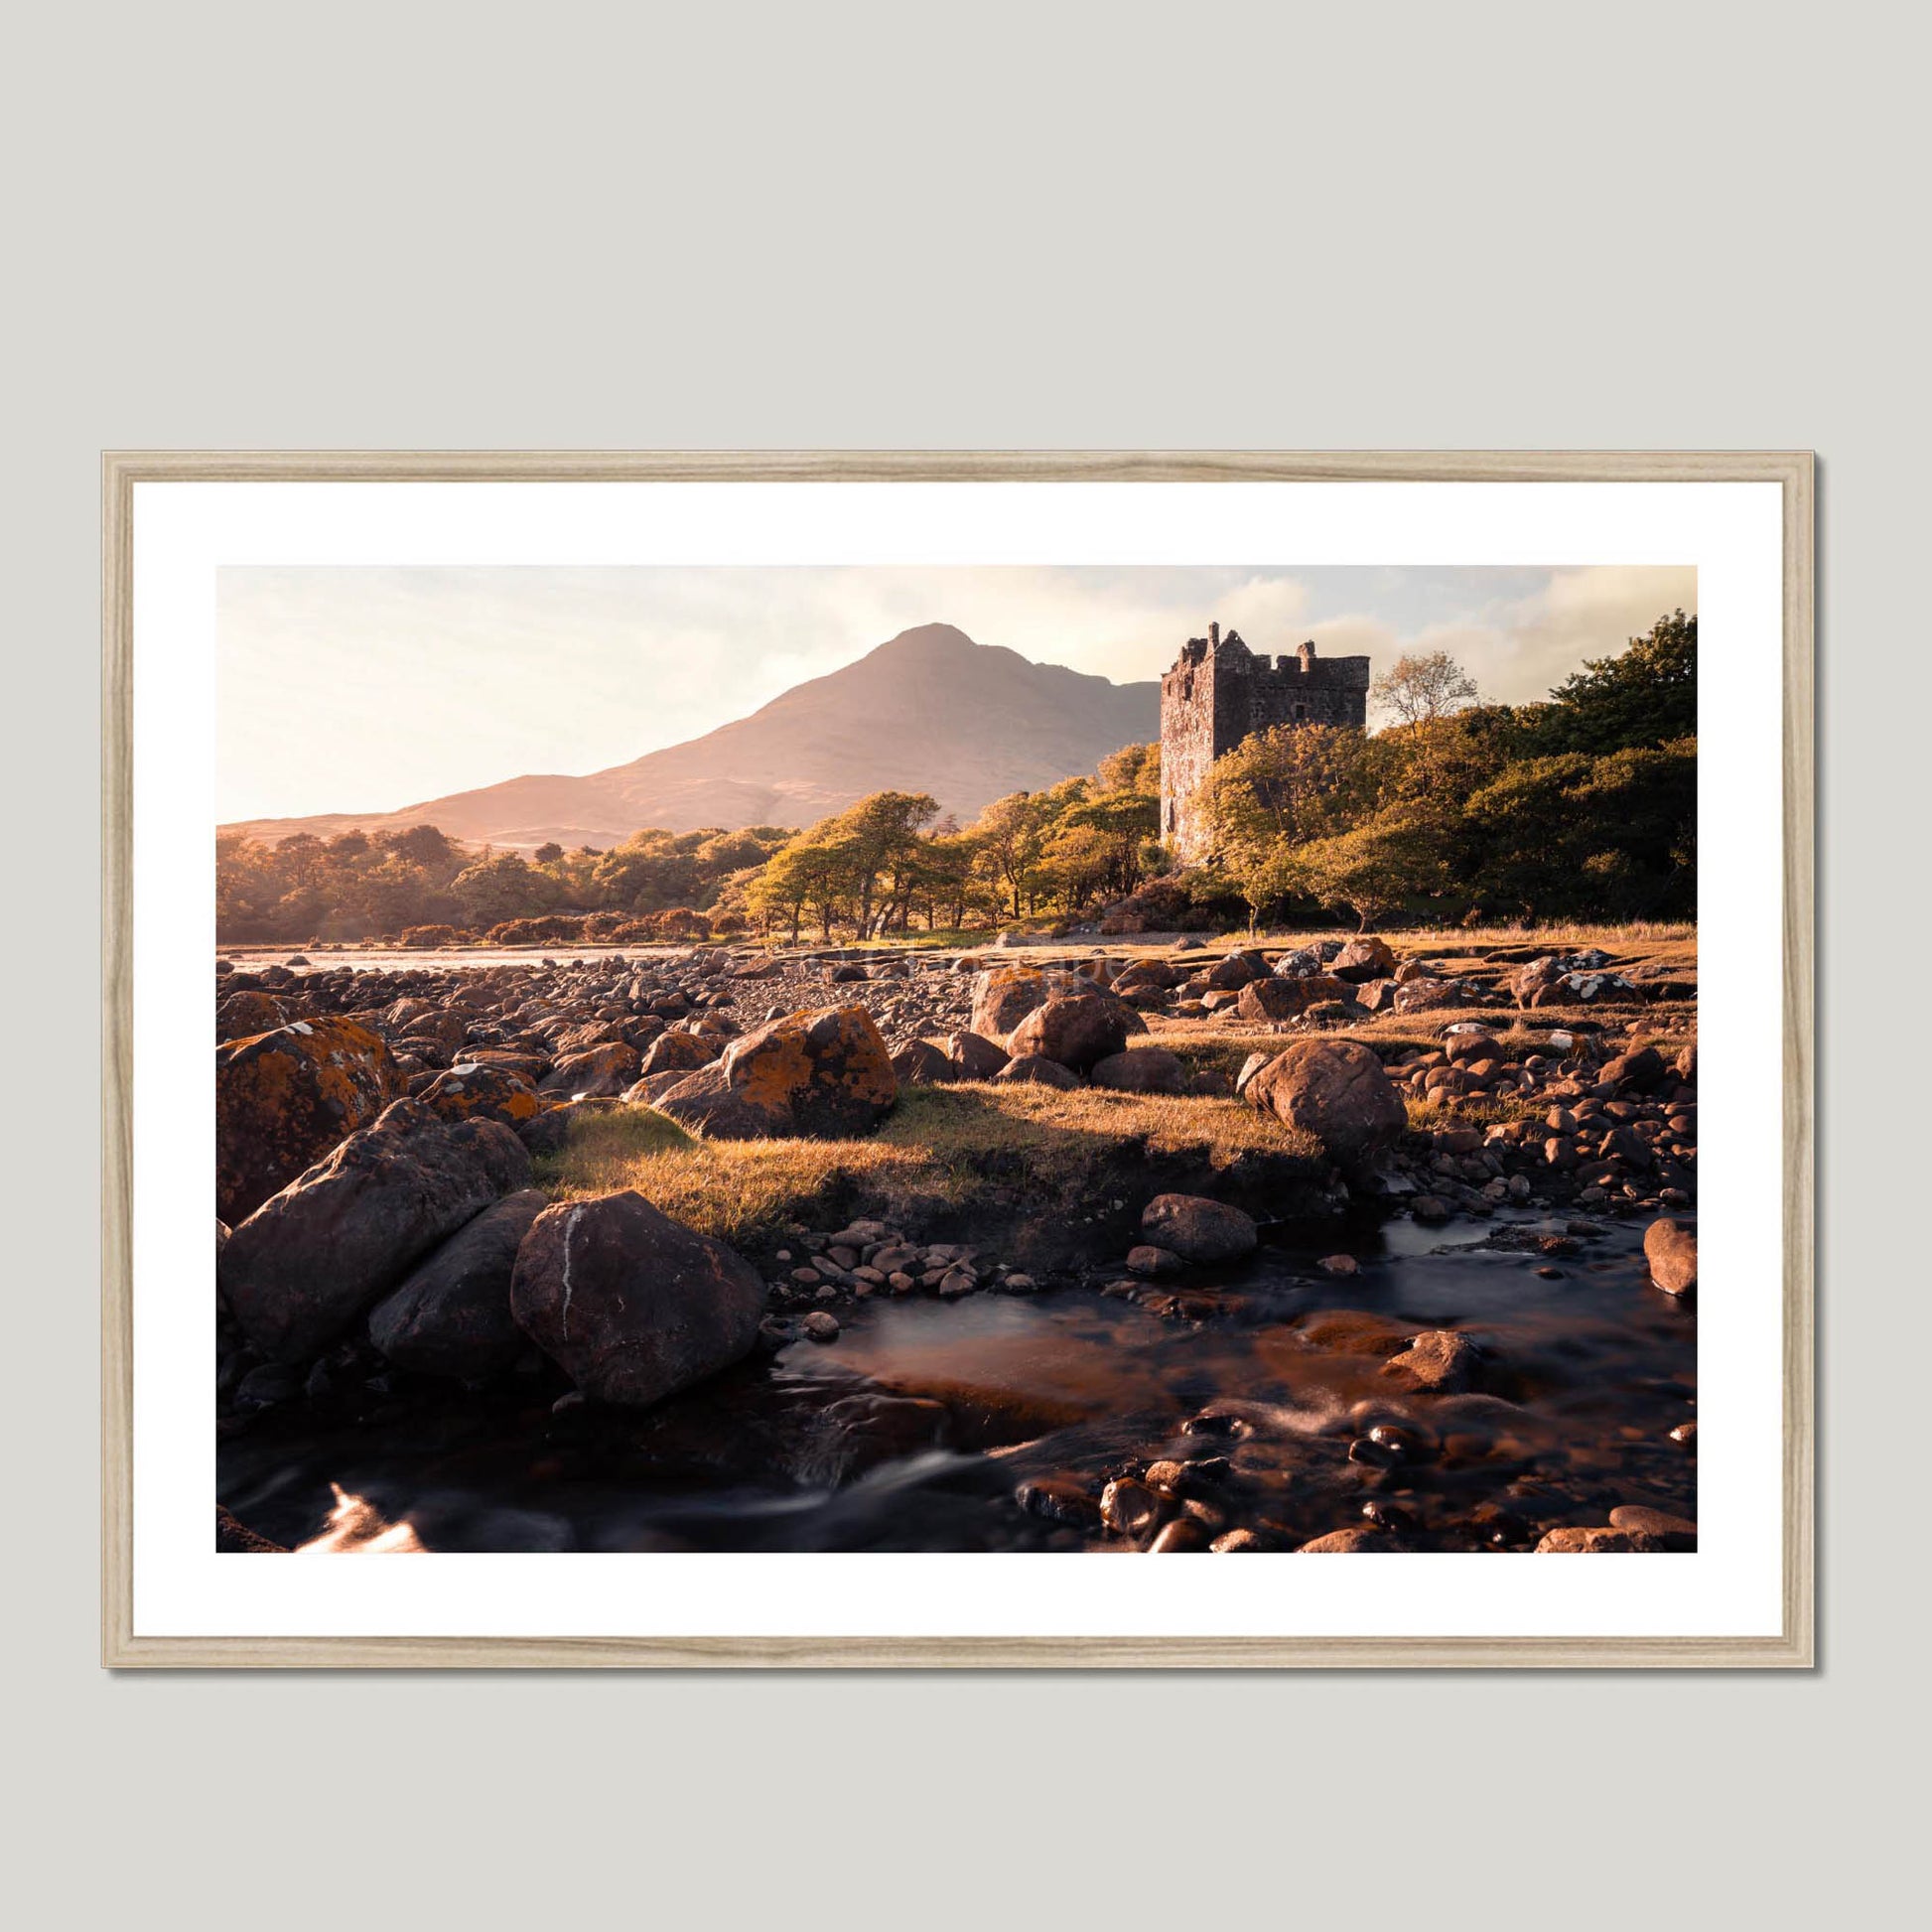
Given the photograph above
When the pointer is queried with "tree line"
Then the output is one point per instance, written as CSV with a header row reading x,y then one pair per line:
x,y
1584,807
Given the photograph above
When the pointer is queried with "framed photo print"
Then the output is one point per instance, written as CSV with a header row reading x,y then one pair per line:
x,y
807,1048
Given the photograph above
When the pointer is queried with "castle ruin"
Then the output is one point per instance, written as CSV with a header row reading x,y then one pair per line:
x,y
1220,693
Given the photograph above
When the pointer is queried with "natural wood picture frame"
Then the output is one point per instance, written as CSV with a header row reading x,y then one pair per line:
x,y
122,1649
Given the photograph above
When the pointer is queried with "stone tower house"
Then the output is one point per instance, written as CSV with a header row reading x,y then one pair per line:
x,y
1218,693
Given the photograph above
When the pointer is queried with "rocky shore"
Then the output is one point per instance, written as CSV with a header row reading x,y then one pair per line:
x,y
1325,1248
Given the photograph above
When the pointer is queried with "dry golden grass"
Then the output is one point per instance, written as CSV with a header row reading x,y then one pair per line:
x,y
941,1151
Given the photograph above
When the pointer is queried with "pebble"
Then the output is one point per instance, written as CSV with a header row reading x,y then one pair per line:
x,y
1183,1532
1128,1508
820,1327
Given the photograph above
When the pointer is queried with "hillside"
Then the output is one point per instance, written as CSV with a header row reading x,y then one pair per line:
x,y
928,711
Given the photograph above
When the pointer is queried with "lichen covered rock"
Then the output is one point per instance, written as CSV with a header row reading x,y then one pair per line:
x,y
821,1076
283,1099
492,1092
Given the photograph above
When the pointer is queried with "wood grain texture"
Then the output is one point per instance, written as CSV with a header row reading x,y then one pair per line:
x,y
122,1649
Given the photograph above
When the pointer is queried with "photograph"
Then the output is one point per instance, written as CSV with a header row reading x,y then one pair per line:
x,y
1099,1060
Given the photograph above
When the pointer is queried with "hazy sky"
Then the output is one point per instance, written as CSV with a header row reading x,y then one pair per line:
x,y
371,689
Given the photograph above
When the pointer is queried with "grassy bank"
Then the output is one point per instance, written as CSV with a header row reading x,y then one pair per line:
x,y
998,1160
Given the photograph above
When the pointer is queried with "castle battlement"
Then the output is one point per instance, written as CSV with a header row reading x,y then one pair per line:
x,y
1218,693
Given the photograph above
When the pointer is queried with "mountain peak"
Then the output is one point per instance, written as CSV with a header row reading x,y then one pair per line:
x,y
929,710
926,640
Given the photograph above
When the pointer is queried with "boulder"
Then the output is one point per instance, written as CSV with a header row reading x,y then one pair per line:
x,y
683,1052
823,1075
1035,1070
492,1091
549,1132
1141,1070
1236,971
452,1313
1334,1089
1671,1248
1641,1070
921,1064
630,1303
300,1269
1077,1031
1004,996
243,1015
283,1099
976,1056
1366,958
1538,977
1266,1001
596,1072
1197,1229
1425,994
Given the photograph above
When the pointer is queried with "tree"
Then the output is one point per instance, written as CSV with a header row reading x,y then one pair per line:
x,y
1372,869
1645,696
1275,791
503,885
879,838
1009,834
1419,690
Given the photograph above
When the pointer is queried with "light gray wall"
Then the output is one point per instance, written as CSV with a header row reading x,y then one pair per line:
x,y
1093,226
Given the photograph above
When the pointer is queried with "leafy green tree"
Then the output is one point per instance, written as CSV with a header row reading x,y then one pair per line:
x,y
503,885
1372,869
1645,696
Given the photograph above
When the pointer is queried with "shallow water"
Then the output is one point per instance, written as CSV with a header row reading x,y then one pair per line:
x,y
928,1422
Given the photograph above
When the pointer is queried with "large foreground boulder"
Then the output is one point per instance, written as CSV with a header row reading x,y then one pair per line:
x,y
283,1099
1334,1089
300,1269
452,1315
630,1303
822,1075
